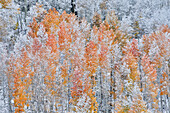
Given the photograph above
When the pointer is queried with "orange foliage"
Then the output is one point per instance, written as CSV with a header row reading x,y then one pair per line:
x,y
151,74
22,81
34,28
91,58
159,39
164,84
62,51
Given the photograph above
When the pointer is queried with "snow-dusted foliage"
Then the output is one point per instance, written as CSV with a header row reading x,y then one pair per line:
x,y
8,19
94,56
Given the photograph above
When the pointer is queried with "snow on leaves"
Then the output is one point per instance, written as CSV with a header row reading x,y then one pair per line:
x,y
65,62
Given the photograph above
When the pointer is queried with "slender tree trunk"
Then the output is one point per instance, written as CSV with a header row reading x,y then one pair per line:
x,y
25,3
9,102
73,7
168,105
68,94
9,94
161,103
114,80
111,91
101,91
112,88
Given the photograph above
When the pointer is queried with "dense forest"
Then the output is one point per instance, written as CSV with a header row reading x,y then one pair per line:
x,y
84,56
